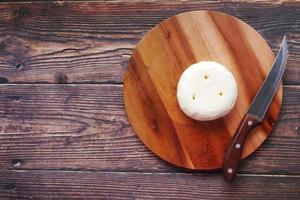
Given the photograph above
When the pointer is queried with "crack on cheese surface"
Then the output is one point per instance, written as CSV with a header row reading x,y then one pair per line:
x,y
206,91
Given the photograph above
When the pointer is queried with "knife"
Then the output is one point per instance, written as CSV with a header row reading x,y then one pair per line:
x,y
255,114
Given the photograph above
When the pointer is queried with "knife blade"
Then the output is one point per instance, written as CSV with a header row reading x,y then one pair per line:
x,y
255,114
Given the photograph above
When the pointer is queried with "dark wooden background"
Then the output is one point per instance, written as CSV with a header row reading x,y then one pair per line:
x,y
64,133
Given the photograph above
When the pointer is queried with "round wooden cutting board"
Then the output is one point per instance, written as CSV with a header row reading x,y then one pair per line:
x,y
153,72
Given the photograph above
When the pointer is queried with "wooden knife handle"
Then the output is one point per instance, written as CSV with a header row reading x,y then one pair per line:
x,y
235,148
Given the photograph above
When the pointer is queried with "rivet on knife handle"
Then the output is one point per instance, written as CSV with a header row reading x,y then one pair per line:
x,y
235,149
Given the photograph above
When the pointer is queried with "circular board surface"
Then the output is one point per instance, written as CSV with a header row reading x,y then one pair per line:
x,y
150,86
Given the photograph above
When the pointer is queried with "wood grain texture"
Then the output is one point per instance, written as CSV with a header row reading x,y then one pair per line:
x,y
114,185
276,2
84,127
90,42
150,87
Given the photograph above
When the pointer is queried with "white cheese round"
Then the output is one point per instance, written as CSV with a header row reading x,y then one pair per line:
x,y
206,91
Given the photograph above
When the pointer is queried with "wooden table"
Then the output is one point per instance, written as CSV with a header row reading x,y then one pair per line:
x,y
64,133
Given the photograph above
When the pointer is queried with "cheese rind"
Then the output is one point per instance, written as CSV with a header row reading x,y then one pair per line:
x,y
206,91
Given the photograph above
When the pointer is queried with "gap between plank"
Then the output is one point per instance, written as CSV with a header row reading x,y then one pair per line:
x,y
108,83
151,172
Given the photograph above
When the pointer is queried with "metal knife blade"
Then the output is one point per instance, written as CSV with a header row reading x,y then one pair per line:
x,y
255,113
263,98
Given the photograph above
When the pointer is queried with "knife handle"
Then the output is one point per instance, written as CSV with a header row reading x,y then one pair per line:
x,y
235,148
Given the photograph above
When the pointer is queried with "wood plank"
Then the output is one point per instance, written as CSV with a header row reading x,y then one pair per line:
x,y
201,1
116,185
85,127
93,42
